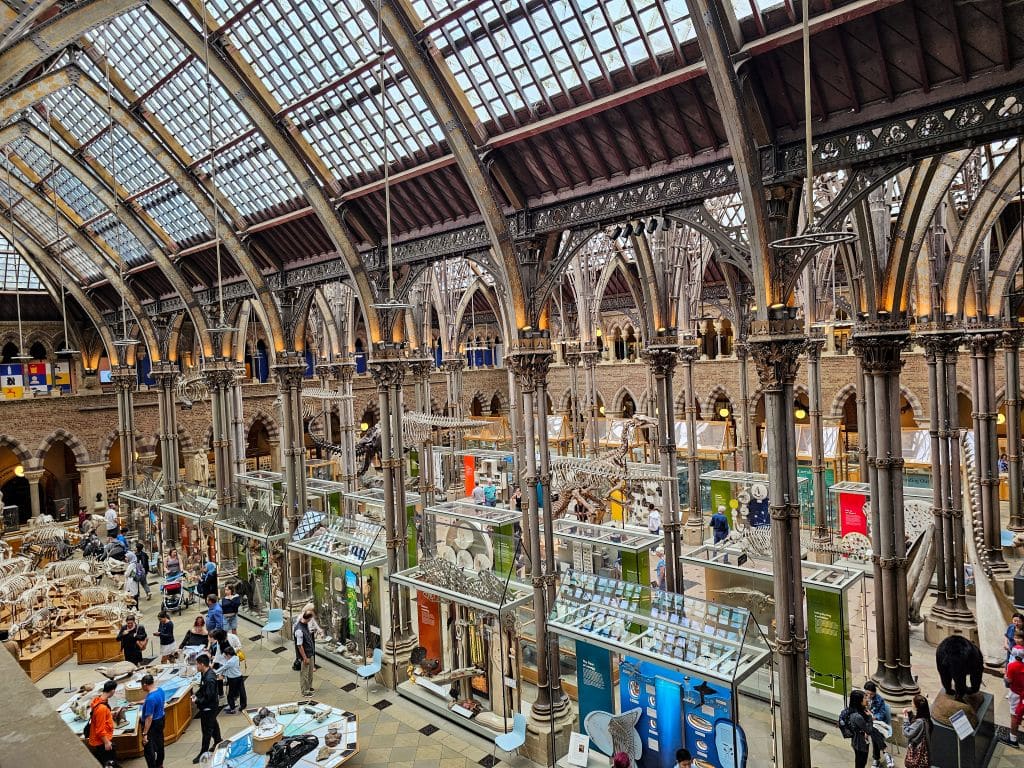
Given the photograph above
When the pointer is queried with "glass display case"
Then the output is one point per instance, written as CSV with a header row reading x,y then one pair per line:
x,y
835,599
834,457
346,559
368,504
715,448
484,466
253,558
632,505
681,662
606,550
744,495
917,458
191,526
141,509
849,513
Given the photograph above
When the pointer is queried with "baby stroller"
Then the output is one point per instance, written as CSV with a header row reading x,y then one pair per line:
x,y
176,595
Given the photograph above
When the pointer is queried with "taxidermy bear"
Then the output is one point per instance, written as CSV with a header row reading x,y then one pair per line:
x,y
958,659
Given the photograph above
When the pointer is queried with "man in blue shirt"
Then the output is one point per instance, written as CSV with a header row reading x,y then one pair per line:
x,y
720,526
214,615
153,723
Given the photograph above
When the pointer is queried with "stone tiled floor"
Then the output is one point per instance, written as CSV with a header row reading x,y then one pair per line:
x,y
392,736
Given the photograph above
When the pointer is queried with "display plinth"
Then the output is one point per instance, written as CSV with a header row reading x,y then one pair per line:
x,y
548,737
976,750
93,647
938,627
51,653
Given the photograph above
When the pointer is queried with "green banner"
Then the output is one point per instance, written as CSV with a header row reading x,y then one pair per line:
x,y
504,549
804,471
721,495
828,641
410,528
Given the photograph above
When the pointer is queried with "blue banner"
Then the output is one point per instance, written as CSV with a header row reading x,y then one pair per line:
x,y
594,680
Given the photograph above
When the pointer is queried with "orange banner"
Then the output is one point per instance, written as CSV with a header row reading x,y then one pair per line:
x,y
468,472
428,608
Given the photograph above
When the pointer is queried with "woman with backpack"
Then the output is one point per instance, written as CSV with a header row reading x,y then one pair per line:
x,y
918,730
859,726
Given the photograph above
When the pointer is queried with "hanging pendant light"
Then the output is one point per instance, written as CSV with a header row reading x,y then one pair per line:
x,y
65,350
222,325
811,239
391,303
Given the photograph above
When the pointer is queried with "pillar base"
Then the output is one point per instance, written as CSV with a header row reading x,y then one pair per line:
x,y
539,731
819,555
693,535
942,623
898,693
393,669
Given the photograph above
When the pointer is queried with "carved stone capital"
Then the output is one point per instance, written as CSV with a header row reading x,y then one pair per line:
x,y
1011,338
881,353
983,343
530,366
573,357
164,374
777,360
124,378
289,371
688,353
388,373
344,371
661,359
421,367
453,364
589,357
813,347
217,373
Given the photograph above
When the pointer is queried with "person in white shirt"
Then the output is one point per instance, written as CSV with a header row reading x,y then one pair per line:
x,y
478,493
232,674
113,526
654,521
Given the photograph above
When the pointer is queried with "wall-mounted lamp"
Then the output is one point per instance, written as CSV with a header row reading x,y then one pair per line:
x,y
1001,418
19,471
723,412
800,413
363,426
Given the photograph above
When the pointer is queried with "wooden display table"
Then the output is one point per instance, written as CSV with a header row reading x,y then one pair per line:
x,y
80,627
92,647
53,651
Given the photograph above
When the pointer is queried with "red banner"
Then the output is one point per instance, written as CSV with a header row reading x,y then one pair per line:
x,y
468,473
851,513
428,608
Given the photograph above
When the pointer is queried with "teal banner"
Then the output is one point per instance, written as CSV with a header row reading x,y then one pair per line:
x,y
594,680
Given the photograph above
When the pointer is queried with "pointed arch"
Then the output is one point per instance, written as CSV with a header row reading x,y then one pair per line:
x,y
268,423
62,436
620,396
915,404
839,401
718,392
6,441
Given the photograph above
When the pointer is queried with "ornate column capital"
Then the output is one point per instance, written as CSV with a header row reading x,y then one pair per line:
x,y
343,371
289,370
1011,338
124,378
530,365
940,342
813,346
217,373
453,364
688,353
165,374
880,352
388,372
983,342
34,475
421,367
661,358
573,356
777,359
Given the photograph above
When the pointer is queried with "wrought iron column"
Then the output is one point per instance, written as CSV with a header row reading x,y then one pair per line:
x,y
745,426
125,380
218,375
421,369
1011,348
289,371
344,372
777,360
983,352
880,353
166,376
935,357
530,367
237,431
694,529
572,359
590,356
662,361
813,347
452,367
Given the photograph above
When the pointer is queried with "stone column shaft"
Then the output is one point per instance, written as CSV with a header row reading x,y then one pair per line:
x,y
590,358
289,372
662,361
746,428
777,360
821,527
344,372
166,375
1011,348
694,532
218,375
34,492
983,347
125,381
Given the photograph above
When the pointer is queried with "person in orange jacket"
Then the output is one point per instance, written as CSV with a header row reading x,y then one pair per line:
x,y
101,726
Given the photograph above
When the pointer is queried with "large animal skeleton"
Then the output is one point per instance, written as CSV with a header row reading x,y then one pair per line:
x,y
590,482
418,427
484,585
14,565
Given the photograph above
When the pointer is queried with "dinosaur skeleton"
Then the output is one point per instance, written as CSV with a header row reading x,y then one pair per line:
x,y
13,566
418,427
591,481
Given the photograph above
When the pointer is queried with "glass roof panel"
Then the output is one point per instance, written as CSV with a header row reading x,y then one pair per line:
x,y
175,212
139,48
41,224
75,260
508,56
14,272
76,194
79,115
33,155
345,127
253,178
298,46
180,105
121,240
132,167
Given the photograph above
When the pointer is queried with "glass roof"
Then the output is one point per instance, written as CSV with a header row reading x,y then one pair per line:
x,y
121,240
14,272
175,212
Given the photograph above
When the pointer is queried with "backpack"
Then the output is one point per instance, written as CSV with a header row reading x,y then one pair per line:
x,y
844,723
88,723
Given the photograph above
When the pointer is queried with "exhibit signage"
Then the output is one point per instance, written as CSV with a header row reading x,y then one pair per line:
x,y
428,608
12,381
594,680
851,513
827,644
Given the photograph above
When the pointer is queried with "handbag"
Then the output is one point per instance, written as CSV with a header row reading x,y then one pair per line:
x,y
917,755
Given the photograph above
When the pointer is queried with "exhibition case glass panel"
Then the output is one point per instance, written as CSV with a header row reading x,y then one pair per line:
x,y
488,466
849,506
833,454
643,493
745,498
347,557
607,550
191,526
368,504
713,442
657,670
253,557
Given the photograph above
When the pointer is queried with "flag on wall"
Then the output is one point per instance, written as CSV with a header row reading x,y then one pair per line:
x,y
39,377
12,381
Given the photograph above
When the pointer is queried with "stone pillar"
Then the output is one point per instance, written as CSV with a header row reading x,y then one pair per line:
x,y
344,373
237,431
746,428
693,531
983,353
219,374
577,425
880,354
452,365
289,371
662,361
1011,348
93,479
421,369
777,360
34,495
950,613
550,717
822,533
590,356
388,370
125,381
166,375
